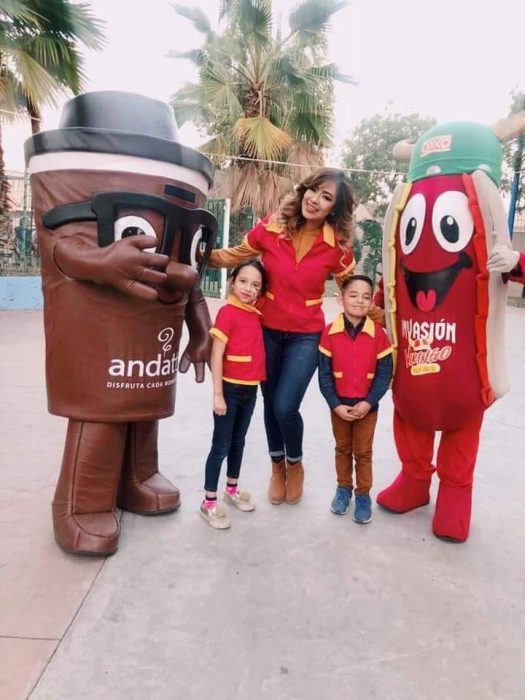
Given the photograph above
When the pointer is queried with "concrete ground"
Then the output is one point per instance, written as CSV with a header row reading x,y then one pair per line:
x,y
292,602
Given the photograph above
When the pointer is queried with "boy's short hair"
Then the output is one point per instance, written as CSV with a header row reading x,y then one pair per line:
x,y
357,278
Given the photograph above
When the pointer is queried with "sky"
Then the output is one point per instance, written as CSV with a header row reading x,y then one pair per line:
x,y
449,59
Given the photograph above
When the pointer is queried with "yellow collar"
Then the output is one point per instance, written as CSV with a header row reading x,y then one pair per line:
x,y
241,305
328,231
338,326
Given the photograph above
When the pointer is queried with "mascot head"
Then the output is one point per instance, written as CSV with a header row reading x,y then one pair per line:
x,y
115,168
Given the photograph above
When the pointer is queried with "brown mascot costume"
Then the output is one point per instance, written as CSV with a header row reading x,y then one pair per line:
x,y
118,211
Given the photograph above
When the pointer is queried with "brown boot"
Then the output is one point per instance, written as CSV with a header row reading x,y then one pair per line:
x,y
277,488
84,516
142,489
294,482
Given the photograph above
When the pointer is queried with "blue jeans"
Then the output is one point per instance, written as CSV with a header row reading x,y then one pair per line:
x,y
229,433
291,360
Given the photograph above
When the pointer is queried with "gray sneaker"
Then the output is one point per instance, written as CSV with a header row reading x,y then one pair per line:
x,y
217,517
241,500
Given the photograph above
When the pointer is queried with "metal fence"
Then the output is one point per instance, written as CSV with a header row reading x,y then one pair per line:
x,y
18,243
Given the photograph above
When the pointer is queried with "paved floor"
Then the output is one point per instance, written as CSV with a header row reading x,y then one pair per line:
x,y
292,602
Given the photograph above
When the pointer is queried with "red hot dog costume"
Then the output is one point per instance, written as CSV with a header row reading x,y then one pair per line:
x,y
445,316
113,171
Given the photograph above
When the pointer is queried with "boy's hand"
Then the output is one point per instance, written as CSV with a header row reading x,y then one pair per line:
x,y
360,410
344,412
219,405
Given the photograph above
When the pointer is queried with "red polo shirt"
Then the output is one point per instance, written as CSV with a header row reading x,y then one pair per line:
x,y
293,300
238,325
354,359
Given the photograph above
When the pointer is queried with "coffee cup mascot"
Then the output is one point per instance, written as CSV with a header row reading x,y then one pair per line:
x,y
445,313
118,211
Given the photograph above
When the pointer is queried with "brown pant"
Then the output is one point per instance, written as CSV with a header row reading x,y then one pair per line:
x,y
354,439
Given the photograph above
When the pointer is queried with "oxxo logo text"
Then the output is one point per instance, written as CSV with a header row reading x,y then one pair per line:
x,y
438,144
153,373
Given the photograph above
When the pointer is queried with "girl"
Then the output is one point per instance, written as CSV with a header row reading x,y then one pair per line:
x,y
237,367
300,246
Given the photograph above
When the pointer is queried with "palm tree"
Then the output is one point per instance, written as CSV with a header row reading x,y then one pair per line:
x,y
262,95
39,62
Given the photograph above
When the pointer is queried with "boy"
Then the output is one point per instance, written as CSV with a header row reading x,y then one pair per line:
x,y
355,369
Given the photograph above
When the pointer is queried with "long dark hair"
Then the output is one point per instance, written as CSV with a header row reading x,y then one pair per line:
x,y
258,266
341,217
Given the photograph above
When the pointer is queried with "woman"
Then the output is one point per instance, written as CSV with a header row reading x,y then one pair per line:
x,y
300,246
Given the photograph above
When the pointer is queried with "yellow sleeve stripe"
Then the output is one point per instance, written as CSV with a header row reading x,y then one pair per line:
x,y
325,351
239,358
346,271
247,244
218,334
313,302
385,352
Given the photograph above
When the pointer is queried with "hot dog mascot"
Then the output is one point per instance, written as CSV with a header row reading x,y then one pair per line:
x,y
118,211
445,313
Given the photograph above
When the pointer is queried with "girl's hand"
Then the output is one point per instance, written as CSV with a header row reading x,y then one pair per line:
x,y
219,405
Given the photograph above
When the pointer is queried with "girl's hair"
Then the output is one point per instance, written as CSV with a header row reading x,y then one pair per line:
x,y
258,266
341,216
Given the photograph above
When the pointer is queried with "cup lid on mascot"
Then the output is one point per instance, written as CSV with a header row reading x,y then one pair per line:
x,y
455,148
119,125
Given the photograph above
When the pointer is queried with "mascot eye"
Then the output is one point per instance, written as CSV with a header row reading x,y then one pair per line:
x,y
128,226
452,221
411,225
197,249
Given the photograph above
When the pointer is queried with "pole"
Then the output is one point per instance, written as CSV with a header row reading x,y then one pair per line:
x,y
515,191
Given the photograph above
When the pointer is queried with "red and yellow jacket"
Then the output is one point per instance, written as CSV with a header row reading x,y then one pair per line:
x,y
354,360
295,294
238,325
296,281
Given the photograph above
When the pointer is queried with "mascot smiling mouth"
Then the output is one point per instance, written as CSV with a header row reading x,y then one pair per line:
x,y
428,289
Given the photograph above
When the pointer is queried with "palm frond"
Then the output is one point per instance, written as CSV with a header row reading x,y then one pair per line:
x,y
196,16
312,16
310,127
287,72
330,71
39,85
196,56
255,20
221,92
259,138
18,11
85,26
188,103
261,189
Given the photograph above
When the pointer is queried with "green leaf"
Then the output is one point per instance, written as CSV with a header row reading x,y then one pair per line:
x,y
196,16
313,16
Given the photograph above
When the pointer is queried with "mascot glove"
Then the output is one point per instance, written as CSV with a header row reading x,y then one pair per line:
x,y
198,350
123,265
180,277
502,259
